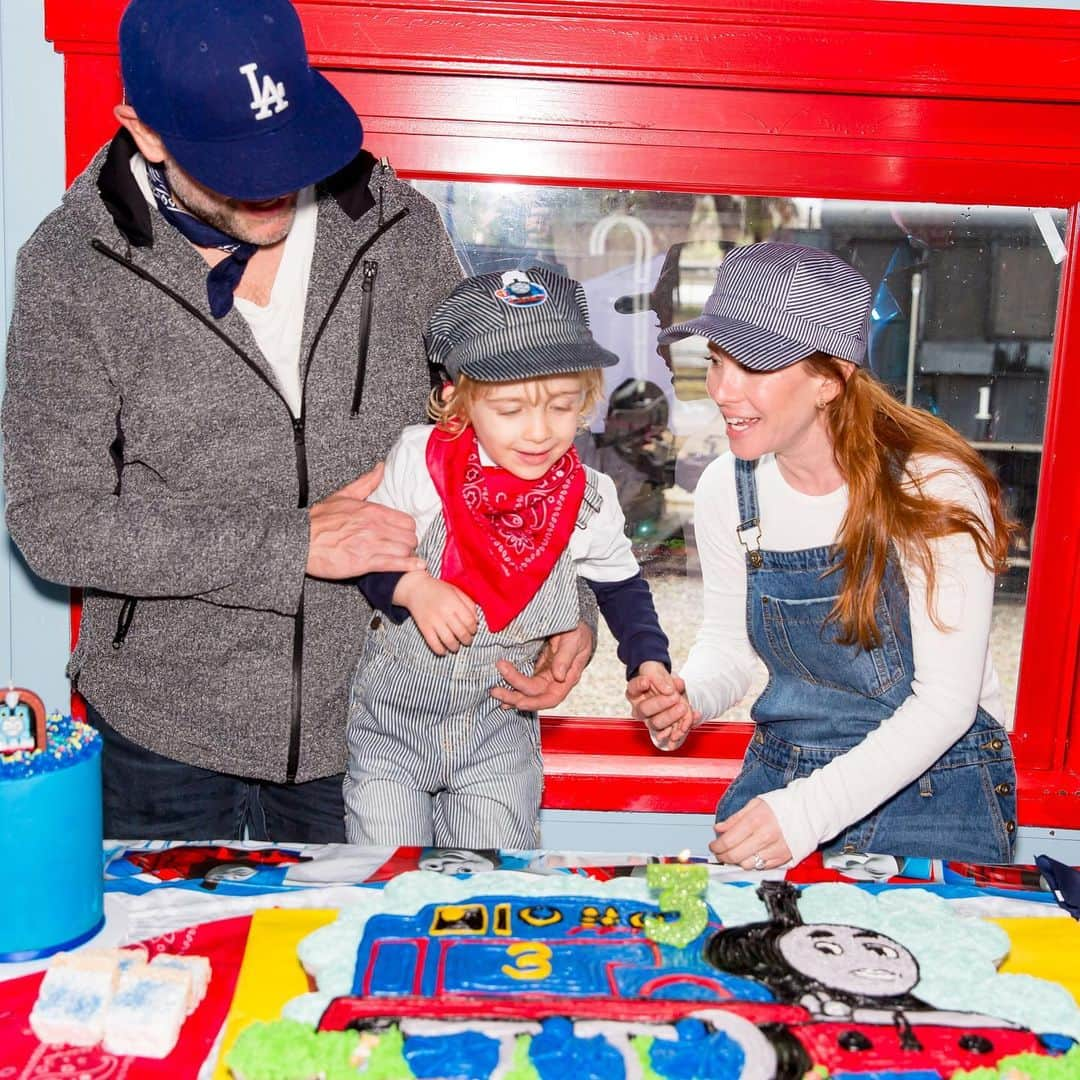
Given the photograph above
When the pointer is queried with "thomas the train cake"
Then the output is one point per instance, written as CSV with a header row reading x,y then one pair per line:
x,y
673,976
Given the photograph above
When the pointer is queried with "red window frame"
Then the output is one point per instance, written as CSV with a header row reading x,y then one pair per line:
x,y
831,98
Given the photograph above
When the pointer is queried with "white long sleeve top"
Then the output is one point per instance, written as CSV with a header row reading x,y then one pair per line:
x,y
953,668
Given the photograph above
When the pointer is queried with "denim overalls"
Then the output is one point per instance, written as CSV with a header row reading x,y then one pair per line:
x,y
823,697
433,758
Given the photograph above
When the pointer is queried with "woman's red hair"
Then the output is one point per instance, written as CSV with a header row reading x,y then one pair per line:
x,y
874,436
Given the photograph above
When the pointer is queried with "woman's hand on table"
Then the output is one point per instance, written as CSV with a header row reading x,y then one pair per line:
x,y
751,838
658,699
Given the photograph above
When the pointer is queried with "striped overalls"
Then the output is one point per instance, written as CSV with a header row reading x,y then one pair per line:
x,y
433,758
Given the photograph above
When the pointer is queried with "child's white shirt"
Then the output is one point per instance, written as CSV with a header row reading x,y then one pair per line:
x,y
601,550
954,672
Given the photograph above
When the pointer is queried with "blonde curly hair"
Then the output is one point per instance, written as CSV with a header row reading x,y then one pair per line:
x,y
452,409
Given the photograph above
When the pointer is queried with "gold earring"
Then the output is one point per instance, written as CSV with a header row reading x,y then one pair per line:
x,y
821,404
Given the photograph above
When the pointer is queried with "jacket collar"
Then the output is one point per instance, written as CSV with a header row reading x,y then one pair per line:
x,y
121,195
350,188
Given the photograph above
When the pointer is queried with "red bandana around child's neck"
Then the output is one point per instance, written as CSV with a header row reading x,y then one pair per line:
x,y
503,534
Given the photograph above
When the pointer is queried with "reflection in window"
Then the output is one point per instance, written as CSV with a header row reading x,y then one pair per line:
x,y
964,307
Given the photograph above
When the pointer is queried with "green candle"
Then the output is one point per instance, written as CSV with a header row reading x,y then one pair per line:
x,y
681,887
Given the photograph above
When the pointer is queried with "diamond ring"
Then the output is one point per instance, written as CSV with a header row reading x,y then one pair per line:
x,y
759,862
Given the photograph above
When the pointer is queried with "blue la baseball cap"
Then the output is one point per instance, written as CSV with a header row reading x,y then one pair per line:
x,y
228,87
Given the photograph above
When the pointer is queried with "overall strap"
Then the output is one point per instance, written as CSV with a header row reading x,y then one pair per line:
x,y
591,501
749,528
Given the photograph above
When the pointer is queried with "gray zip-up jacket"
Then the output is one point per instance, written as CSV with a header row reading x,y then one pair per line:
x,y
150,459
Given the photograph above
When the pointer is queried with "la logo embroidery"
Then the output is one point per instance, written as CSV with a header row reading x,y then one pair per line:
x,y
271,93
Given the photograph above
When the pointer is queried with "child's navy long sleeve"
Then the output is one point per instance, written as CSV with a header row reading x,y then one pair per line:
x,y
378,589
628,609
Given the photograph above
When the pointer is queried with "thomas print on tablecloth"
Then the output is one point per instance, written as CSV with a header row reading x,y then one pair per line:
x,y
211,867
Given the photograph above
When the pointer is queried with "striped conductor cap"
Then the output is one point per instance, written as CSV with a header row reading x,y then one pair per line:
x,y
518,324
774,304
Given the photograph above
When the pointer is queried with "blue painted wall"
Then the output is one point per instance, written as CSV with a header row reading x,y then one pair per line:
x,y
33,615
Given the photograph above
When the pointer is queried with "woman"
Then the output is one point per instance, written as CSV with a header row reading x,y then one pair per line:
x,y
850,542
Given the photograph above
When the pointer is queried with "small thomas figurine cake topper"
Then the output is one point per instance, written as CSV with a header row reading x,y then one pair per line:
x,y
22,721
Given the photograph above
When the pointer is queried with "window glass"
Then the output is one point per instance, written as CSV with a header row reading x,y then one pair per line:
x,y
964,307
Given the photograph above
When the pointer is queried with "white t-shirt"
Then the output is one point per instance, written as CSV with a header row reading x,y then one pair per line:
x,y
954,671
601,551
279,326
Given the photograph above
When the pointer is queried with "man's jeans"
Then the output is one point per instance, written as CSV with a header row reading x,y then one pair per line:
x,y
150,797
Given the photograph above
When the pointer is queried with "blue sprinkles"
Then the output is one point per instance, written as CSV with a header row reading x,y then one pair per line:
x,y
69,999
67,743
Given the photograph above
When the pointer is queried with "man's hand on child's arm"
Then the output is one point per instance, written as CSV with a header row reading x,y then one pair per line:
x,y
556,673
659,700
349,536
444,615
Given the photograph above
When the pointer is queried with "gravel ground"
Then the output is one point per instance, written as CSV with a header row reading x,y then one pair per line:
x,y
678,603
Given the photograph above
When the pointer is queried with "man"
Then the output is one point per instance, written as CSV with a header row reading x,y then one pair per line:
x,y
216,338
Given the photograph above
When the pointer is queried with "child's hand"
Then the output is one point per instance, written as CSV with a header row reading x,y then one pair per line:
x,y
659,700
444,615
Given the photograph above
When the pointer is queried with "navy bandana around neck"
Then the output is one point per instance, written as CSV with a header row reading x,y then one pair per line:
x,y
222,280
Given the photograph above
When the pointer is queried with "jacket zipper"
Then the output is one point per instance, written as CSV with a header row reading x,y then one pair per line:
x,y
296,678
127,610
367,302
301,458
361,360
123,621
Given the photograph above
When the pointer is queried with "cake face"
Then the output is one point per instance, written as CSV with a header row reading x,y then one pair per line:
x,y
507,975
860,962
